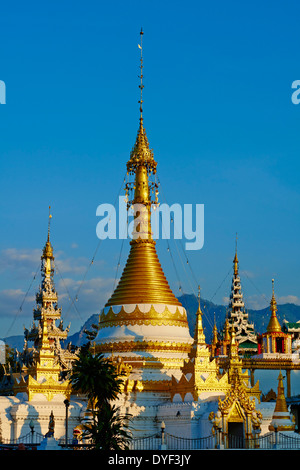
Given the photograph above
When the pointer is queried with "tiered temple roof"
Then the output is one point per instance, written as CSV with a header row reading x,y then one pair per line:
x,y
44,360
238,317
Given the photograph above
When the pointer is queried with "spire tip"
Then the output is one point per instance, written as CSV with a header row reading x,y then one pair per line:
x,y
50,217
141,76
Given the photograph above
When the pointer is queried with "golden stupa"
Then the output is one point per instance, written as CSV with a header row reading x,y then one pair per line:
x,y
143,321
281,420
274,340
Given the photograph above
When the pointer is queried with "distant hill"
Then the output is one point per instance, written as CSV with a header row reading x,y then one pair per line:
x,y
15,342
211,312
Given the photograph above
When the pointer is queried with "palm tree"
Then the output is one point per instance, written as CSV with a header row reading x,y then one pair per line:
x,y
97,378
108,429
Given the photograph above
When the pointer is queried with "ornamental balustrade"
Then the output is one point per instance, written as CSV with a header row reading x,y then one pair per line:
x,y
30,441
166,441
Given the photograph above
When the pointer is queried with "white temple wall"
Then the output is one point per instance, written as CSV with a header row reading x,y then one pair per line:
x,y
17,413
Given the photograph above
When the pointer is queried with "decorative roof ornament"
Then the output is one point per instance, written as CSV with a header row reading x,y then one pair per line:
x,y
199,337
236,261
141,154
215,340
274,325
48,250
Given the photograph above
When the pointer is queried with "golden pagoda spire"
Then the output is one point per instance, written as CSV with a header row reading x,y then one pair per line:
x,y
48,250
215,341
199,337
227,334
143,280
274,325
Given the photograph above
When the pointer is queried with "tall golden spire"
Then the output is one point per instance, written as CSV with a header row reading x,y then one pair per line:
x,y
47,256
199,337
143,280
274,325
236,261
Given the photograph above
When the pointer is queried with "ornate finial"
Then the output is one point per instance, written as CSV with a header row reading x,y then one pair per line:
x,y
48,251
141,86
199,337
273,300
235,261
274,325
141,153
50,217
199,312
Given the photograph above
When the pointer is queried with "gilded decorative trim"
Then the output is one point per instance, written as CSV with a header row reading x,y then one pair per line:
x,y
137,317
126,346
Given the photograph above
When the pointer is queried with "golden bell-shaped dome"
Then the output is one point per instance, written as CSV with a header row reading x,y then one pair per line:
x,y
143,280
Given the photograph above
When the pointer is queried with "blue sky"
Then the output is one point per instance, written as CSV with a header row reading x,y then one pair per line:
x,y
218,115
